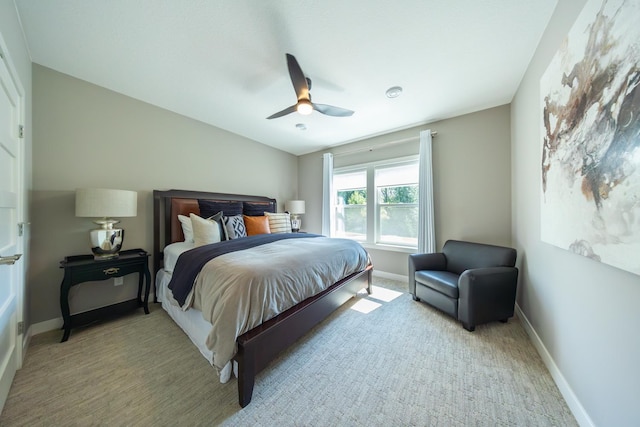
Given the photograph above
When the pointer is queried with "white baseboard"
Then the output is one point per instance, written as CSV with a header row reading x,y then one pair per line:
x,y
46,326
578,411
50,325
390,276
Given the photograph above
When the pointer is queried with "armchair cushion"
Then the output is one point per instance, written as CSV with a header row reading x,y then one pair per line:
x,y
444,282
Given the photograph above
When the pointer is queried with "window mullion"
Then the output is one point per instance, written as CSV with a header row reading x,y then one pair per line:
x,y
372,206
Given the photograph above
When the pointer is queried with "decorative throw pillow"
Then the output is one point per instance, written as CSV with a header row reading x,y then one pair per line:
x,y
234,226
187,229
209,208
215,217
256,225
279,222
257,208
205,231
223,231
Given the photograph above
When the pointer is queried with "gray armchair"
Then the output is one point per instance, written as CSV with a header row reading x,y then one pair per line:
x,y
473,282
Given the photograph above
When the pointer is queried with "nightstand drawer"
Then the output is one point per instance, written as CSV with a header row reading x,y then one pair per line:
x,y
102,272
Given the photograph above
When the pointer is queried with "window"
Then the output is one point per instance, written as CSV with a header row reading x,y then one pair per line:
x,y
351,205
378,203
397,204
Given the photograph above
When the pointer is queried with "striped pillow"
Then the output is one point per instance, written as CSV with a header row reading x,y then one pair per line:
x,y
279,222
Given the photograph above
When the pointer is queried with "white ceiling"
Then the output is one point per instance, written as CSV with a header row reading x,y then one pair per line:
x,y
223,61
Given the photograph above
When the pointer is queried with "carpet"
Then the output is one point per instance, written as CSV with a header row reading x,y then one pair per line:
x,y
381,359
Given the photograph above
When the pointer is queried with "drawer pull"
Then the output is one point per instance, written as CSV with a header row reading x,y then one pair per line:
x,y
112,270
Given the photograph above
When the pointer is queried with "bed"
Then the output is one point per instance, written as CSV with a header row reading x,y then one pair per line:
x,y
256,347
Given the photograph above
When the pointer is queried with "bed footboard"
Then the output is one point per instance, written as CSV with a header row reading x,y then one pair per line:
x,y
258,347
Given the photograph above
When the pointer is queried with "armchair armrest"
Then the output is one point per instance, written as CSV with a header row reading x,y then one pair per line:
x,y
487,294
417,262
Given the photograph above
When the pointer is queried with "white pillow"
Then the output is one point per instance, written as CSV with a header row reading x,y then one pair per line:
x,y
279,222
187,229
205,231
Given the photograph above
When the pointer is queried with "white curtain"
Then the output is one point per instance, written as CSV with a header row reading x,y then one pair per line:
x,y
327,193
426,226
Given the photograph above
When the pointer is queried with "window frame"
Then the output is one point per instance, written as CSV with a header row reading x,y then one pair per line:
x,y
372,205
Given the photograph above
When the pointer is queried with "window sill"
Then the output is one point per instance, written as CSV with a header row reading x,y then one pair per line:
x,y
389,248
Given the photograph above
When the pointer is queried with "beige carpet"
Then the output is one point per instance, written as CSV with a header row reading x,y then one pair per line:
x,y
379,360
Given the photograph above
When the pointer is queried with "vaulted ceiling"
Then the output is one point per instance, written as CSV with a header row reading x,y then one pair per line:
x,y
223,61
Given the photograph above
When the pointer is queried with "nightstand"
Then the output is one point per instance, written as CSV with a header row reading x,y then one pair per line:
x,y
84,268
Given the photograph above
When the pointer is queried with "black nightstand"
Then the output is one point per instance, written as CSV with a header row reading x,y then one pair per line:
x,y
83,268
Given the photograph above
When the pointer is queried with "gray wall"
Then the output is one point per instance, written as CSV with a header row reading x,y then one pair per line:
x,y
471,173
14,40
584,313
88,136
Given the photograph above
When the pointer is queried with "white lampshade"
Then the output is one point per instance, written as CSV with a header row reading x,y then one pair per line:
x,y
103,203
295,207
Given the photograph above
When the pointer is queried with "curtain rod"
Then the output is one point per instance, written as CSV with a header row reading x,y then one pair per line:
x,y
383,145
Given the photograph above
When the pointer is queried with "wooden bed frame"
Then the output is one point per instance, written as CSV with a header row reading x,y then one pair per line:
x,y
259,346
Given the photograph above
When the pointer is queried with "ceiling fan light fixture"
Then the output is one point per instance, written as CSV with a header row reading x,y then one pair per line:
x,y
304,107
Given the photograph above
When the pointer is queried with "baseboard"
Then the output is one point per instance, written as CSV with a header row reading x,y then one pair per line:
x,y
26,340
390,276
46,326
574,404
53,324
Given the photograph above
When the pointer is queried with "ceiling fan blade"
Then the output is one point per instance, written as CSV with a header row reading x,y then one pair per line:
x,y
330,110
298,79
284,112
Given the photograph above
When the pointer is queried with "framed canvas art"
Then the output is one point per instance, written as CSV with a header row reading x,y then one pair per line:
x,y
590,165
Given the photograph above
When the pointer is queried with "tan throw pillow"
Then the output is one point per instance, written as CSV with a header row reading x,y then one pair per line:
x,y
279,222
205,231
256,225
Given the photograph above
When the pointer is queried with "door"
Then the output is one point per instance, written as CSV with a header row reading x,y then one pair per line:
x,y
11,214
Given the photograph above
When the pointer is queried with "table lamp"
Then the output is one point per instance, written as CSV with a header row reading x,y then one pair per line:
x,y
105,203
295,208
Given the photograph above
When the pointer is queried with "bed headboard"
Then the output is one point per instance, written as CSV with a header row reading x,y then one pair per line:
x,y
168,204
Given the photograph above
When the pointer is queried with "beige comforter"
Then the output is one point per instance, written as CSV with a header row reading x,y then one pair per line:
x,y
240,290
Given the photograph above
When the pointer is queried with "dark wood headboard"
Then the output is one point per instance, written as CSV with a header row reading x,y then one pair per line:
x,y
168,204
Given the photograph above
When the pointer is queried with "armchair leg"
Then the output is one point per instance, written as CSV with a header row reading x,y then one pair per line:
x,y
415,298
504,320
468,327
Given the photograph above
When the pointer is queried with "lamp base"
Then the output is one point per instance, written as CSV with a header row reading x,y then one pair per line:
x,y
106,243
296,223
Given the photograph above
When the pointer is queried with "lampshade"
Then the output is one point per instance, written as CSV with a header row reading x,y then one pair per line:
x,y
295,207
104,203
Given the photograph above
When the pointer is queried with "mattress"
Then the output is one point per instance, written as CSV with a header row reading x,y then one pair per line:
x,y
190,321
172,252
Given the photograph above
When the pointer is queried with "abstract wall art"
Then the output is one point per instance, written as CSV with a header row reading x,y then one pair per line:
x,y
590,166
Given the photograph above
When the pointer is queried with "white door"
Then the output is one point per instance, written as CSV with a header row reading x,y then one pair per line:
x,y
11,214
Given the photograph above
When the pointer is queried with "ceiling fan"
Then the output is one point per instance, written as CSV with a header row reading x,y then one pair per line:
x,y
302,86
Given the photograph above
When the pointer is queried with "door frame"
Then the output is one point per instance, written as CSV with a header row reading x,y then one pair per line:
x,y
20,338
